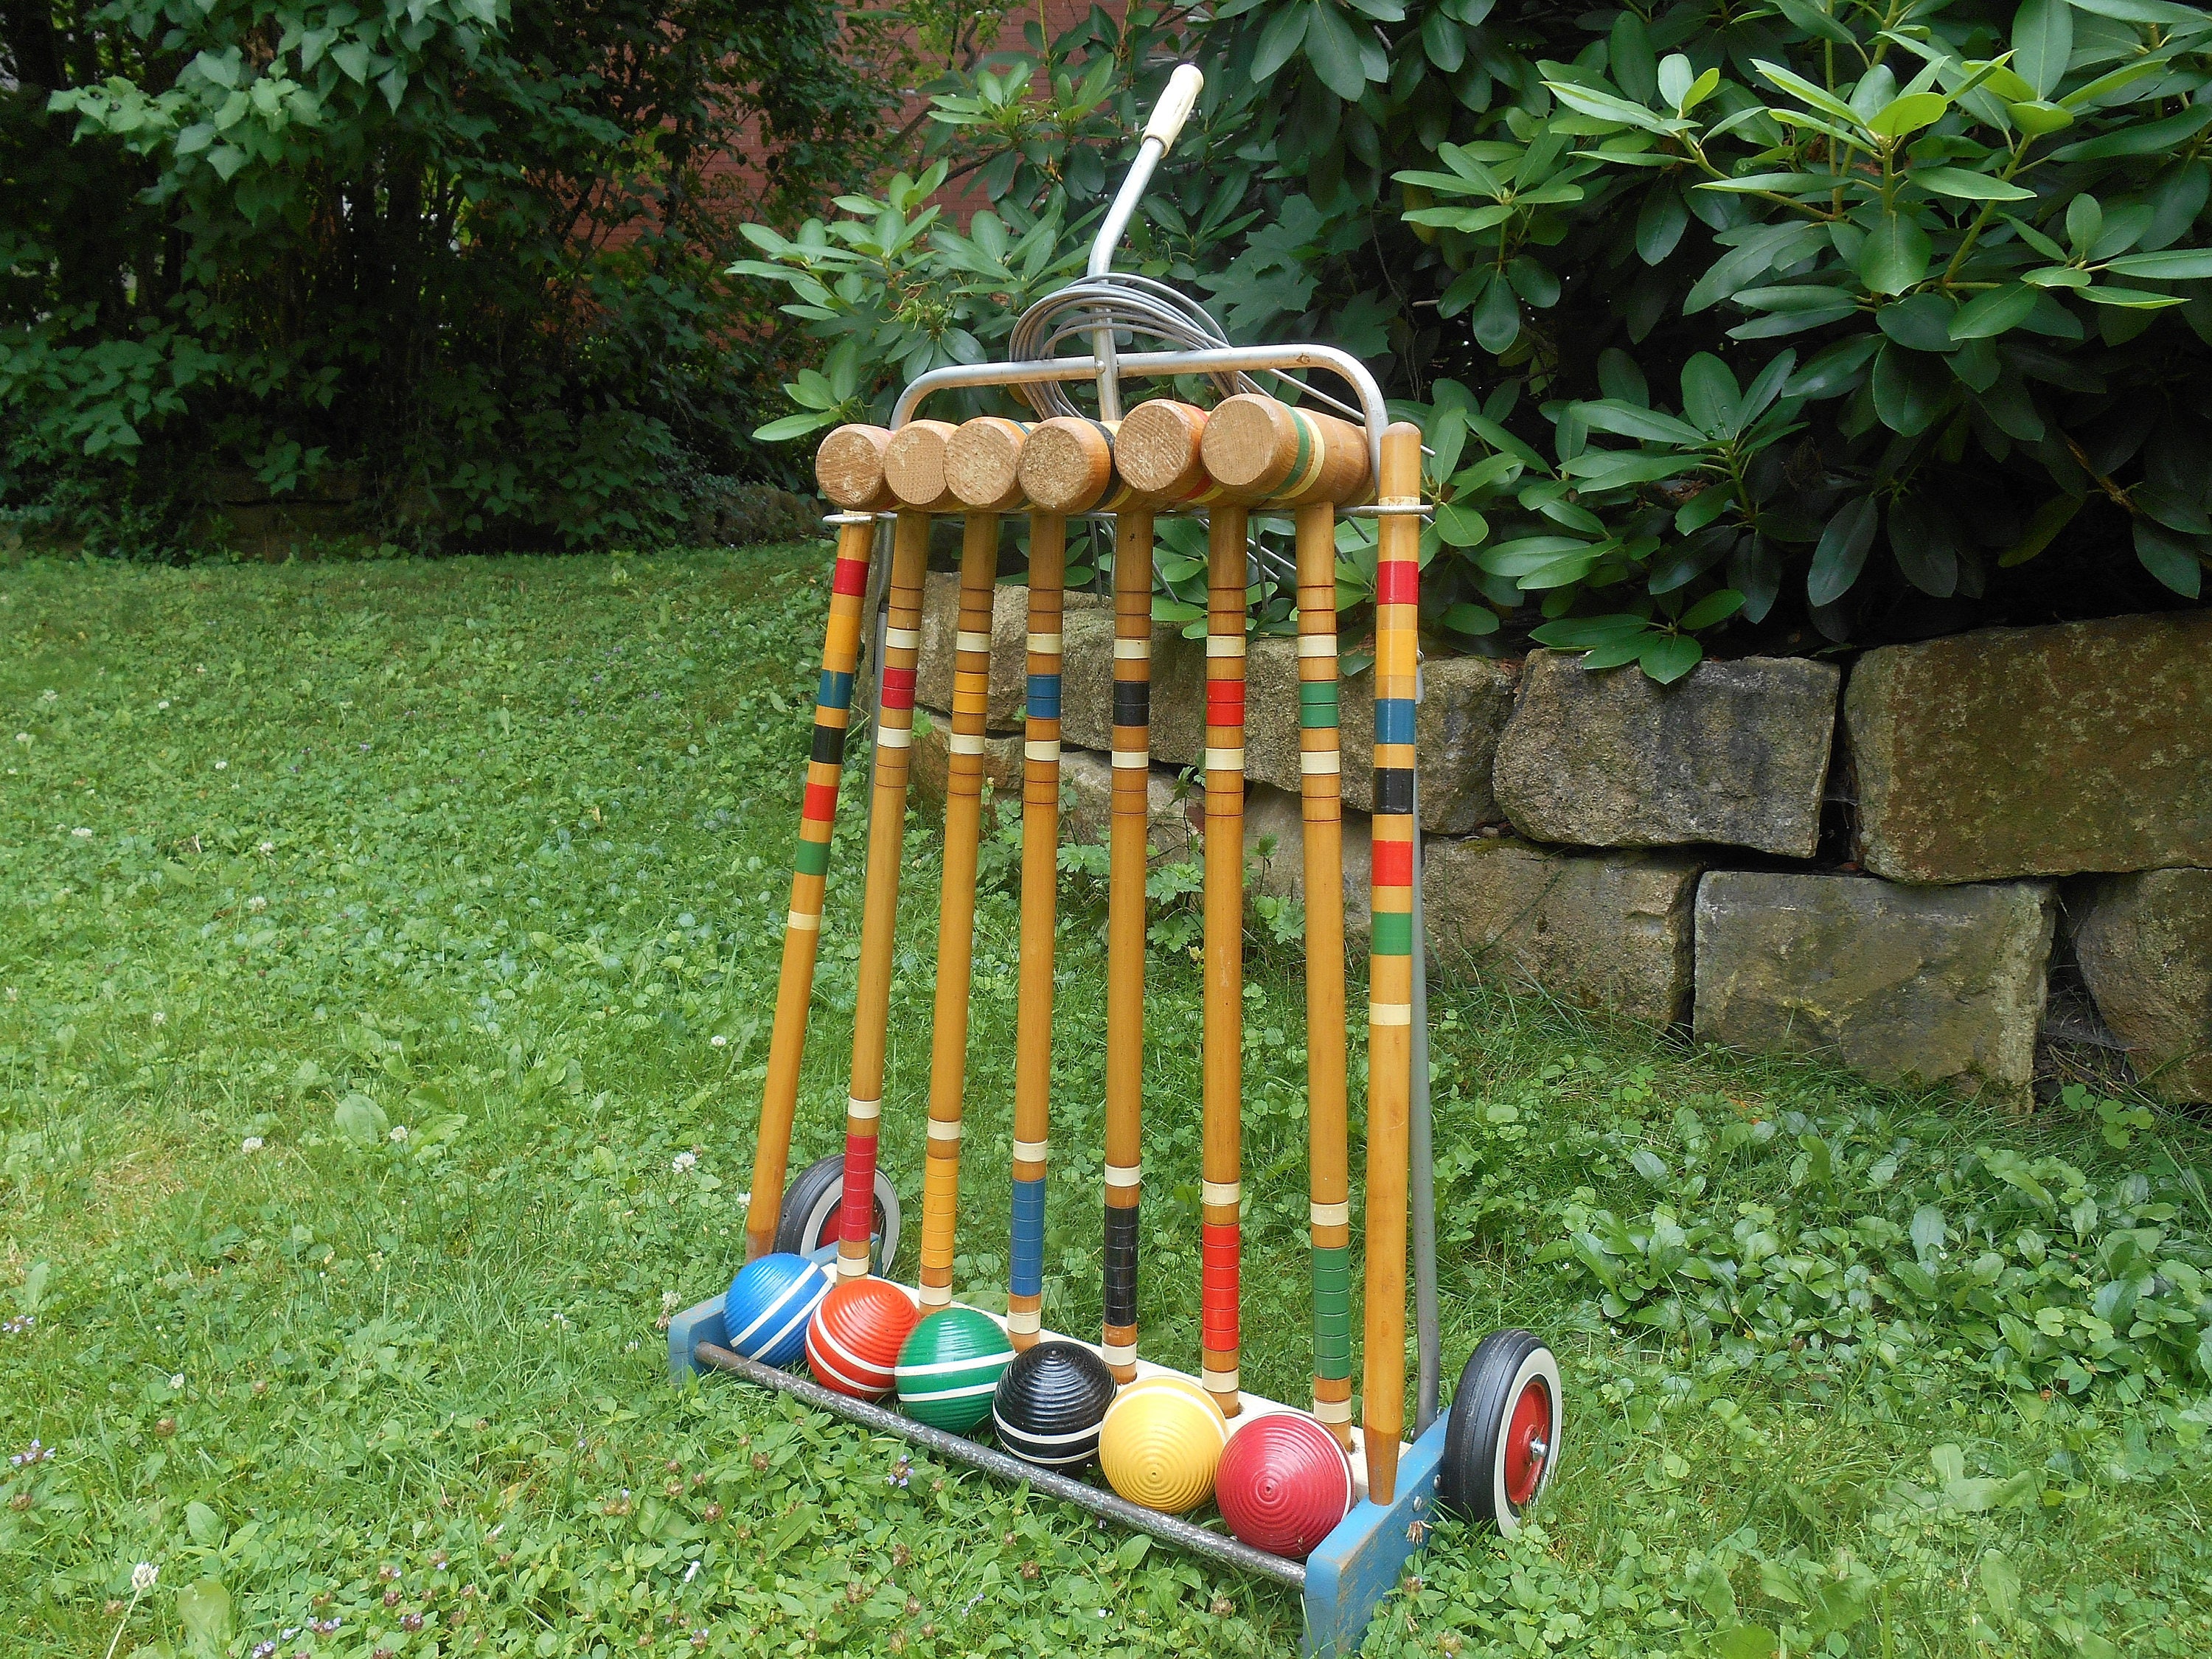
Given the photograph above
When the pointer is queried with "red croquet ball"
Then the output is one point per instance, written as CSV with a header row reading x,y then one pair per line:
x,y
1283,1484
853,1341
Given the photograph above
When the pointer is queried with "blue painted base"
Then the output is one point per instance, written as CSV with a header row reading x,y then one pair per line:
x,y
686,1330
1360,1564
1346,1579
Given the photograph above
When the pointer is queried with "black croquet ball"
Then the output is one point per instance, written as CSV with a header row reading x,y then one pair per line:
x,y
1050,1402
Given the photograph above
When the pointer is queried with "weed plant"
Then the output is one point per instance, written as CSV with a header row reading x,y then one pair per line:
x,y
385,955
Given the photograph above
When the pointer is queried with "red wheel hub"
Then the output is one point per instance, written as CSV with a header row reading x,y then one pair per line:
x,y
1527,1442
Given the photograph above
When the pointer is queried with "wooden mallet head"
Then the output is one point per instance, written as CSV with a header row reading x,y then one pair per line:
x,y
1156,451
849,467
913,466
1067,465
1261,449
980,461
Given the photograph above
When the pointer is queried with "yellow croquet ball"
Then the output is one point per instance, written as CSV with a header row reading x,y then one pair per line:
x,y
1160,1442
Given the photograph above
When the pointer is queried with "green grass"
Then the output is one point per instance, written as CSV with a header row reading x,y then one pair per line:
x,y
496,851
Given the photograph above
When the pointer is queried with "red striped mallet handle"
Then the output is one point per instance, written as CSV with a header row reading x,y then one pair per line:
x,y
879,902
1390,961
802,933
1223,1006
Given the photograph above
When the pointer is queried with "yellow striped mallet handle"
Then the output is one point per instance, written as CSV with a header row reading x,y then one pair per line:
x,y
802,933
1320,789
1222,1000
956,913
1390,961
879,902
1040,894
1128,826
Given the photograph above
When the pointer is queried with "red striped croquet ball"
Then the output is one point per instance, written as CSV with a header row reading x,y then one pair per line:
x,y
853,1341
1283,1484
1049,1404
765,1313
949,1366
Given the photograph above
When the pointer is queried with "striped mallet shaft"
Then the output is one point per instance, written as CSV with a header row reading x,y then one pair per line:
x,y
1067,465
1390,963
802,934
1327,1154
1261,449
879,902
1040,892
1222,998
956,913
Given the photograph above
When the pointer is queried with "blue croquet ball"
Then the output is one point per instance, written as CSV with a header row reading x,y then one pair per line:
x,y
770,1300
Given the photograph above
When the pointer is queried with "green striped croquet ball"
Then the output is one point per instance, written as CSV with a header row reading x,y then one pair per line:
x,y
949,1366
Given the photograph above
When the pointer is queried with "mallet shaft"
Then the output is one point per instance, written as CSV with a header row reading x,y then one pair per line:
x,y
1390,1012
1319,789
1040,895
956,929
1125,930
802,933
1221,1191
879,903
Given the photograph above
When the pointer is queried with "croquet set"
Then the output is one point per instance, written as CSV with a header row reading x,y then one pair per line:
x,y
1308,1496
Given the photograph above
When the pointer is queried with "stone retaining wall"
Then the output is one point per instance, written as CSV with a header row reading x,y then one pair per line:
x,y
1881,863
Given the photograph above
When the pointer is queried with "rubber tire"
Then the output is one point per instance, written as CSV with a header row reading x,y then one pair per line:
x,y
1472,1480
808,1218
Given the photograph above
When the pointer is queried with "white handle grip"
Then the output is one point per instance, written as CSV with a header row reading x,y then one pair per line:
x,y
1174,105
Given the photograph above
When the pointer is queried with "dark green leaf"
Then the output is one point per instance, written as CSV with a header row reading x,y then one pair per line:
x,y
1281,40
1668,657
1843,550
1922,323
1473,620
2043,43
1896,254
1715,607
1498,319
1968,186
1995,313
1333,51
1445,43
1659,223
1908,390
1755,571
2176,561
1924,548
2053,516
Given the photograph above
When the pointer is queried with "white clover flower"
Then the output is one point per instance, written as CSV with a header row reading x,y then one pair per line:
x,y
398,1132
49,696
82,833
178,1381
223,766
142,1577
670,1302
268,847
164,703
23,736
718,1040
684,1163
251,1144
257,902
160,1019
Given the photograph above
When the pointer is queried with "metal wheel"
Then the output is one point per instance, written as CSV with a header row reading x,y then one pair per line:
x,y
808,1225
1501,1440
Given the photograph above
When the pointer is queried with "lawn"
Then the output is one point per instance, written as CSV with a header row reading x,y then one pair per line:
x,y
384,955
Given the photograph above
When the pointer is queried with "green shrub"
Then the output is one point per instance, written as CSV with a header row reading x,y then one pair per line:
x,y
469,250
1831,322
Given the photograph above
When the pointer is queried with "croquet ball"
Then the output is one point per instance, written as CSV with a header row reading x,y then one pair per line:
x,y
949,1366
1161,1442
1049,1404
764,1315
1283,1483
853,1341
